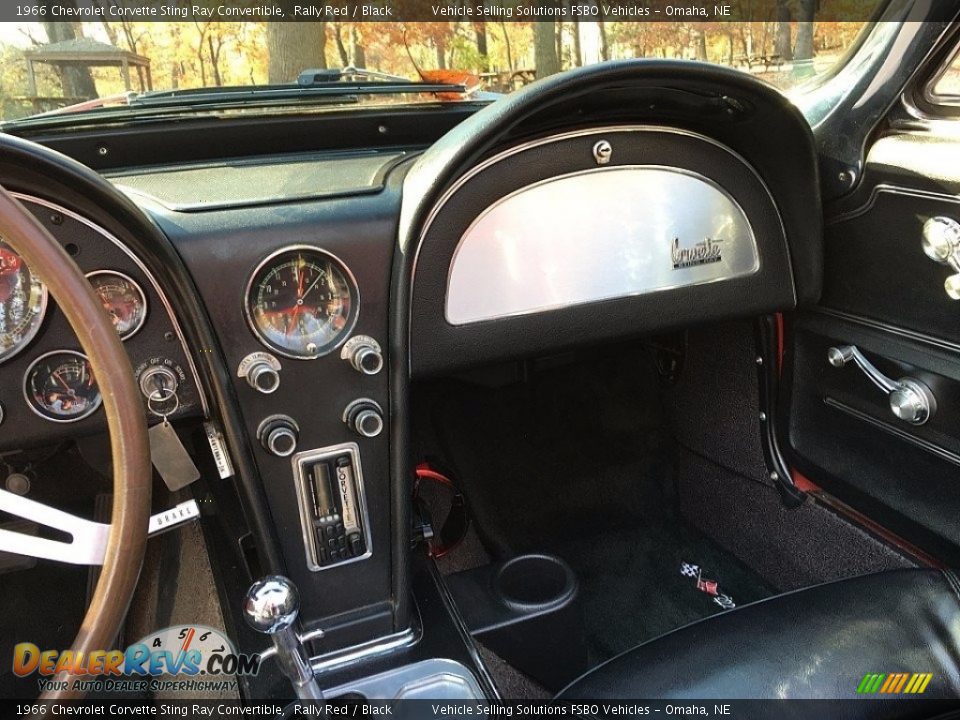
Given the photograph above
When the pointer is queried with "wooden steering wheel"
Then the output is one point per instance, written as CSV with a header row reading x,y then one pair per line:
x,y
125,543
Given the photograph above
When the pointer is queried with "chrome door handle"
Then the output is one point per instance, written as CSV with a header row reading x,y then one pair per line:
x,y
941,243
910,399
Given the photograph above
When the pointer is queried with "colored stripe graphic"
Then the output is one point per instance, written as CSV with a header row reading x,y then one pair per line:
x,y
894,683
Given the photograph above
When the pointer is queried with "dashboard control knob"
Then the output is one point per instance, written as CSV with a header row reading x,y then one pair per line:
x,y
279,434
364,417
941,243
913,402
941,238
262,372
952,287
364,354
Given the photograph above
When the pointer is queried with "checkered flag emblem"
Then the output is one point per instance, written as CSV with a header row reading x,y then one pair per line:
x,y
688,570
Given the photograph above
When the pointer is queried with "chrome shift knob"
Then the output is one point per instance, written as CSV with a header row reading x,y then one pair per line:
x,y
272,604
271,607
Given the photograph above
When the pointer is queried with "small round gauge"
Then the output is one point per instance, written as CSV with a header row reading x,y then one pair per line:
x,y
23,301
302,302
122,298
59,386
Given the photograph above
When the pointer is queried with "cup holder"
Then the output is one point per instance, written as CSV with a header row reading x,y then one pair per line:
x,y
527,611
531,583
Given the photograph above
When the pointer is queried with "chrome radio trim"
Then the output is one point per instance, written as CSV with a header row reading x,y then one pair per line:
x,y
297,462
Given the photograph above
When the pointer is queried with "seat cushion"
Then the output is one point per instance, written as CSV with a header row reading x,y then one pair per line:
x,y
814,643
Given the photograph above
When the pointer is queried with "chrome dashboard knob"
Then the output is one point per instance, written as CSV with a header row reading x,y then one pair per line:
x,y
262,372
913,402
941,238
941,243
264,378
279,435
952,286
272,604
364,354
364,417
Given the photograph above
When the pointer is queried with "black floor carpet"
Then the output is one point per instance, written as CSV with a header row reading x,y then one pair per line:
x,y
574,462
631,587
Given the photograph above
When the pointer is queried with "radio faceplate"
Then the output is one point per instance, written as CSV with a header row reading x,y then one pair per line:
x,y
333,507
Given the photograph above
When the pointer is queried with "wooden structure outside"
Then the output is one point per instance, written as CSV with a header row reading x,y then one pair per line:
x,y
507,80
84,52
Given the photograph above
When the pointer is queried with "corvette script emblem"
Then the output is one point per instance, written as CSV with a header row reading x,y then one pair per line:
x,y
703,253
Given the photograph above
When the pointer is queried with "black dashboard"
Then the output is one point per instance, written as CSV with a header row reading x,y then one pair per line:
x,y
296,275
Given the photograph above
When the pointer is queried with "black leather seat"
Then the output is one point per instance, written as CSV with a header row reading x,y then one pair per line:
x,y
813,643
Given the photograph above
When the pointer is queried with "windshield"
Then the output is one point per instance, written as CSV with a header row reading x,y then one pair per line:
x,y
89,67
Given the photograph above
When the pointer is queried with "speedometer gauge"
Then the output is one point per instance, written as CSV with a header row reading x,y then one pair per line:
x,y
302,302
123,300
60,386
23,300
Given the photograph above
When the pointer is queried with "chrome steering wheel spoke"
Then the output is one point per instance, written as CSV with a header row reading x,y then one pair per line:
x,y
88,538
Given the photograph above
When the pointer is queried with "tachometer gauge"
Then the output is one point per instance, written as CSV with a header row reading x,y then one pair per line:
x,y
122,298
60,386
302,302
23,300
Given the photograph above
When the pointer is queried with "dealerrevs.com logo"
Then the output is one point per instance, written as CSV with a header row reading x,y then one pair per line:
x,y
187,657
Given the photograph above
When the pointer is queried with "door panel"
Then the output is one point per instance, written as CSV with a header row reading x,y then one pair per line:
x,y
883,295
876,266
846,439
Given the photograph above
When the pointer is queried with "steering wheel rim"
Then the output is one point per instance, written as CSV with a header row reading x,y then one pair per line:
x,y
126,421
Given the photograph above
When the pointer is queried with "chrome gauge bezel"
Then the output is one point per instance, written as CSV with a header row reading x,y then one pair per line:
x,y
24,341
139,290
30,402
354,299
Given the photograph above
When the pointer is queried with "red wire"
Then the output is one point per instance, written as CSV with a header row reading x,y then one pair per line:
x,y
423,471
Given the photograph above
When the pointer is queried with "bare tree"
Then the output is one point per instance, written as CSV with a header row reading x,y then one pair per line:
x,y
359,51
293,47
805,13
506,43
341,48
480,33
545,48
783,43
577,49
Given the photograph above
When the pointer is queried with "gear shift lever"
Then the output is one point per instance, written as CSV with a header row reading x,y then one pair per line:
x,y
271,607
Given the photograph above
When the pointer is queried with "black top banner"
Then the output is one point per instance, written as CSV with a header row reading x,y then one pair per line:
x,y
437,10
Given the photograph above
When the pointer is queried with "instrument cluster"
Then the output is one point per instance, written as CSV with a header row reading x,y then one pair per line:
x,y
41,358
59,385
